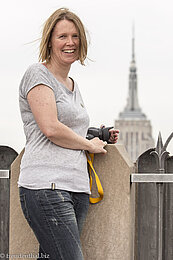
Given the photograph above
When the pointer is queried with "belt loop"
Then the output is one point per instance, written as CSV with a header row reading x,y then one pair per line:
x,y
53,186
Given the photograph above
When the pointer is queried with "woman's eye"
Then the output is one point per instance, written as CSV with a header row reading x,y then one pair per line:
x,y
61,36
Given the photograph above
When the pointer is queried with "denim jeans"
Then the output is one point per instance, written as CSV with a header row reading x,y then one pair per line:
x,y
56,217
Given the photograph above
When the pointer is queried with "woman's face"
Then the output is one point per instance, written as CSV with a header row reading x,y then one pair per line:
x,y
65,43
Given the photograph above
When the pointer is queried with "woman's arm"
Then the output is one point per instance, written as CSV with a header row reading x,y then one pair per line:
x,y
43,106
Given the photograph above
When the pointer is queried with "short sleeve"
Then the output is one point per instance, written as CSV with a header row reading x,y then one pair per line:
x,y
35,75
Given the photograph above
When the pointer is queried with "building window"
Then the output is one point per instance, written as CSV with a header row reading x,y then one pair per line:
x,y
137,145
131,144
126,141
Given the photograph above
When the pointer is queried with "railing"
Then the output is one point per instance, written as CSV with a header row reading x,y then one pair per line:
x,y
154,203
7,156
133,224
4,213
4,174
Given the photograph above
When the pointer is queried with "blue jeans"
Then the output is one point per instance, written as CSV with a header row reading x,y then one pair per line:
x,y
56,217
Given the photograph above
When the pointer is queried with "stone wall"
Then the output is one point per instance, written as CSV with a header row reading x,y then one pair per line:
x,y
108,231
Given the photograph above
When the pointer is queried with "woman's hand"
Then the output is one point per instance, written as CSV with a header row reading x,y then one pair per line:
x,y
114,135
97,146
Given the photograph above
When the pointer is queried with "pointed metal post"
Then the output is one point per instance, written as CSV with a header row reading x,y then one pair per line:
x,y
160,154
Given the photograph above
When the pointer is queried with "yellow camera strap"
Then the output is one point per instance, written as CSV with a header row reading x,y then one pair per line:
x,y
90,159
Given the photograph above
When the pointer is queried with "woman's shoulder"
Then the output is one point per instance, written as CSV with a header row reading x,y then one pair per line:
x,y
35,68
34,75
35,71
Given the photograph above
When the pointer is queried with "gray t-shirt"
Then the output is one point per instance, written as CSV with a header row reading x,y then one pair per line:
x,y
44,162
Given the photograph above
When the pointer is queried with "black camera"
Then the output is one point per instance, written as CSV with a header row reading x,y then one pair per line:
x,y
101,133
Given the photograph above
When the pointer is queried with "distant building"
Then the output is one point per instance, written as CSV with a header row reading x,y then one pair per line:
x,y
135,128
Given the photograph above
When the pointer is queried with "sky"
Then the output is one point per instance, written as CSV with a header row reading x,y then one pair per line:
x,y
103,82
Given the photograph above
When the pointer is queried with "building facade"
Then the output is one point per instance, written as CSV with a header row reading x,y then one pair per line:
x,y
135,128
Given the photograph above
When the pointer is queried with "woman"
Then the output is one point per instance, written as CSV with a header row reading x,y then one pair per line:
x,y
53,182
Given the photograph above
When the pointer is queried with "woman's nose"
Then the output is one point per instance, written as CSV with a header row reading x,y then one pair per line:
x,y
70,40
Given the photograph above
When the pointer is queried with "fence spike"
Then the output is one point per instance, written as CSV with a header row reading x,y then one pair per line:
x,y
159,145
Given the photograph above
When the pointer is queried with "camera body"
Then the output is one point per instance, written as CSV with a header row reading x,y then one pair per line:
x,y
101,133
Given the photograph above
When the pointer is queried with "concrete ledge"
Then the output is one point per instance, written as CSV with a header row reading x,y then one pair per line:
x,y
108,234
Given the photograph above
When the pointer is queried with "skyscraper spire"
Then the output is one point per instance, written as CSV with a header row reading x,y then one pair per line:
x,y
132,109
133,43
135,128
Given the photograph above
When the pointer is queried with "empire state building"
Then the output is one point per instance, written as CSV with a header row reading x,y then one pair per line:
x,y
135,128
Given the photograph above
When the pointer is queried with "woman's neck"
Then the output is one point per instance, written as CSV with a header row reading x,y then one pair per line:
x,y
60,72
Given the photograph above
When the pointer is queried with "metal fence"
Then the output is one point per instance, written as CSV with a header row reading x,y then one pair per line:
x,y
7,156
154,204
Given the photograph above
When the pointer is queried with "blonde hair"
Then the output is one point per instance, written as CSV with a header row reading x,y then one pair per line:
x,y
58,15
